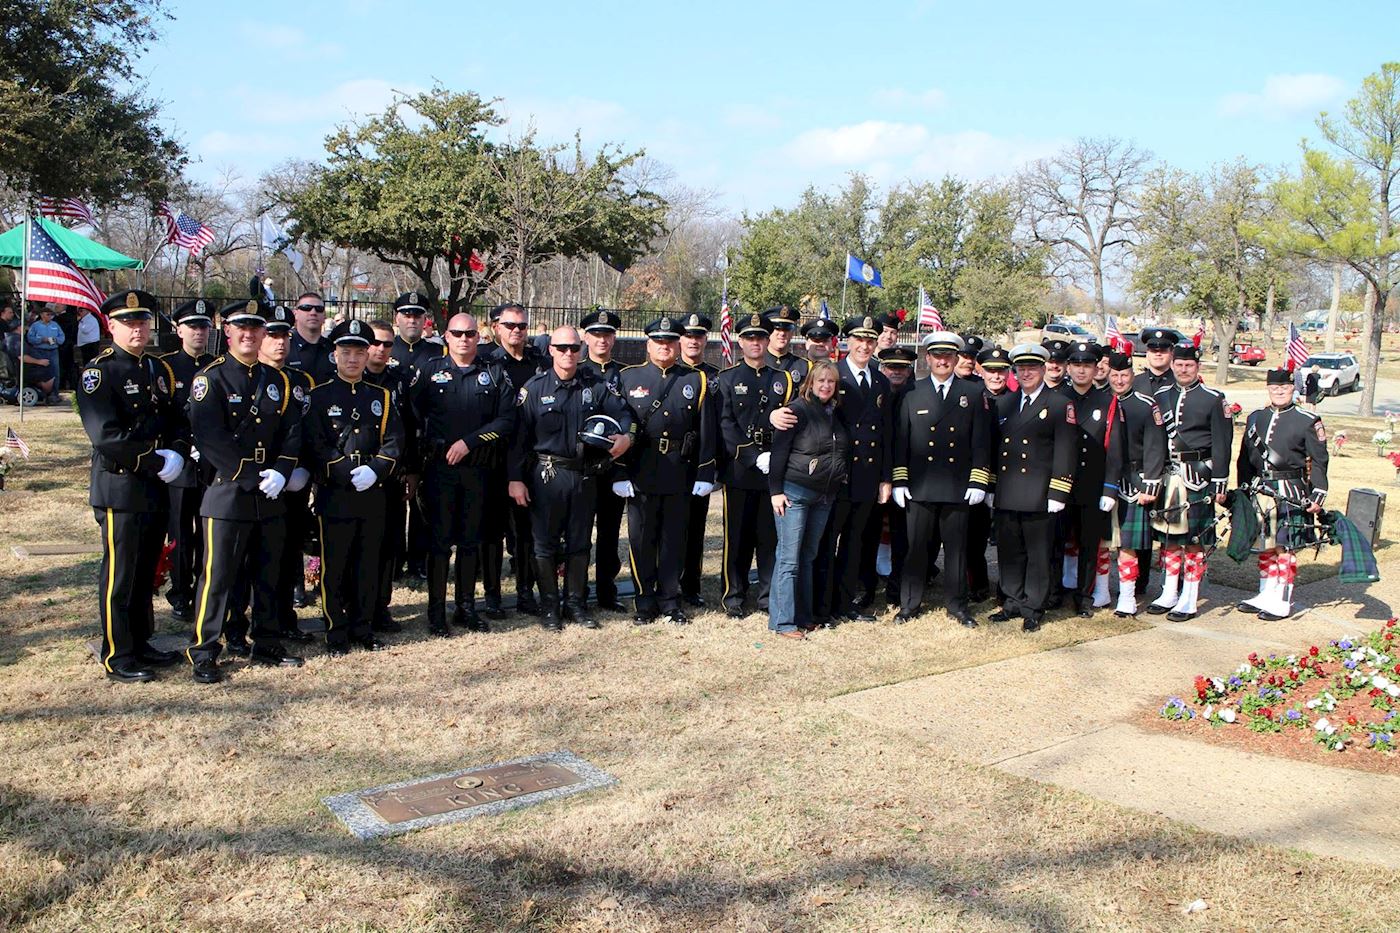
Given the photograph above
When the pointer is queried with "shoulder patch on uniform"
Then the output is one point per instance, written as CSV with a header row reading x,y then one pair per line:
x,y
1156,414
92,378
524,394
376,408
199,388
274,394
1320,431
1069,414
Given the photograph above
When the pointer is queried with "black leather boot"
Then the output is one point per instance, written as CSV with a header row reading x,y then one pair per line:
x,y
466,594
549,594
576,597
437,595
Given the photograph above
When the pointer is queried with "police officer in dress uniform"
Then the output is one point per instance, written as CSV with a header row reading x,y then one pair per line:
x,y
600,336
673,458
522,360
889,332
818,336
896,365
995,364
352,439
746,394
1199,434
401,486
247,428
192,320
310,350
465,411
942,467
695,337
966,367
553,473
1097,478
1036,446
139,445
1285,454
784,321
1058,348
1142,477
409,347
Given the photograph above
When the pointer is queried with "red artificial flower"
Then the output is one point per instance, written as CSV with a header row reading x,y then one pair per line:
x,y
1351,720
1312,652
1267,713
1292,675
1390,623
1389,636
1397,668
1374,692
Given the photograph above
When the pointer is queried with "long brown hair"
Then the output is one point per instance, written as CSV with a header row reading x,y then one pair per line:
x,y
808,390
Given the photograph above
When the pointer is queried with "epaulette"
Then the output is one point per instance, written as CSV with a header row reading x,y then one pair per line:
x,y
634,366
1216,392
103,355
393,363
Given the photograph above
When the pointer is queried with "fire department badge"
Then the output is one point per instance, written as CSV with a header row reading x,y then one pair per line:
x,y
1320,431
962,401
588,396
1096,414
1069,415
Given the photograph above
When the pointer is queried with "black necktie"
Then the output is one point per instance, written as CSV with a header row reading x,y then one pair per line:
x,y
943,391
864,385
1025,402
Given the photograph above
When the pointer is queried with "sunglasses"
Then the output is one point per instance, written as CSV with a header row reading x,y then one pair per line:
x,y
566,347
458,333
319,309
513,325
381,343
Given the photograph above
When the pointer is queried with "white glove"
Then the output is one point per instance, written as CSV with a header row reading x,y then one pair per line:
x,y
1106,503
623,489
174,463
702,489
762,462
901,496
362,477
1052,507
975,496
194,454
300,477
991,500
272,483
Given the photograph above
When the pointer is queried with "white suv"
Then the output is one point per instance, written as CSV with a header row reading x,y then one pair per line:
x,y
1336,372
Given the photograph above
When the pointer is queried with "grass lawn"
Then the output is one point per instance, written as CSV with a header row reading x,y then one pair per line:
x,y
746,801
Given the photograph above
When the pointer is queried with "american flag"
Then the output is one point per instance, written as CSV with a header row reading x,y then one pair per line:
x,y
726,329
1297,350
928,314
66,207
1111,333
183,230
15,441
50,275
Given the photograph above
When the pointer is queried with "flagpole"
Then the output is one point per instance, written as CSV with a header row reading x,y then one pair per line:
x,y
23,310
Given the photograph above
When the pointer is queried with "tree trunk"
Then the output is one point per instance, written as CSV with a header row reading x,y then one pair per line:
x,y
1224,331
1334,313
1266,326
1371,352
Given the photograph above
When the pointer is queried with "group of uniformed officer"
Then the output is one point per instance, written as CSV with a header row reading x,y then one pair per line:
x,y
381,448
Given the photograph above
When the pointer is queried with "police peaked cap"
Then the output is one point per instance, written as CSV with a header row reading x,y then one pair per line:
x,y
943,341
861,326
972,346
1056,349
244,312
994,359
411,302
783,316
279,319
192,312
1084,352
1029,353
663,328
133,303
600,319
352,333
896,356
696,324
755,325
820,329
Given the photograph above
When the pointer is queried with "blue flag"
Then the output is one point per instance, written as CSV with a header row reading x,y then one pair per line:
x,y
826,312
858,270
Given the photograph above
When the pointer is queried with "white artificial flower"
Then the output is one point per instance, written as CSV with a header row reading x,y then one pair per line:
x,y
1379,682
1206,714
1227,715
1392,691
1322,725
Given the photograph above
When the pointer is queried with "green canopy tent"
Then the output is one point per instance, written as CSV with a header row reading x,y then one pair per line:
x,y
85,253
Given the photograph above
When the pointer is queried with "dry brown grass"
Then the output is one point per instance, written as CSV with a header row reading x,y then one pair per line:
x,y
745,801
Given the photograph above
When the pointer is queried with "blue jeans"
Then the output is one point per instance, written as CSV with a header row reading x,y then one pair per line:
x,y
800,530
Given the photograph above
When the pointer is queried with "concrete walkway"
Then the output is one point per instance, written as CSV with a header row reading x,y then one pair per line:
x,y
1062,717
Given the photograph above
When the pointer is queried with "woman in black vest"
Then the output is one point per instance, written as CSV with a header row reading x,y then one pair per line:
x,y
806,469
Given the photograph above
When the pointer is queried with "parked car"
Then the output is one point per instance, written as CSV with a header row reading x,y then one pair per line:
x,y
1336,372
1067,330
1246,353
1313,327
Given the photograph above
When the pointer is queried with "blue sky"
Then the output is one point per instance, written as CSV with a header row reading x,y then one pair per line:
x,y
757,100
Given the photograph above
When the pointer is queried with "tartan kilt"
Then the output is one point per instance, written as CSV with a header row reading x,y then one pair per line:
x,y
1198,526
1134,526
1282,525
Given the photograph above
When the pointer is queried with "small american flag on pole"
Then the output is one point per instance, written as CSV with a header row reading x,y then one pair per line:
x,y
71,208
1297,349
726,329
928,314
14,441
50,275
183,230
1111,333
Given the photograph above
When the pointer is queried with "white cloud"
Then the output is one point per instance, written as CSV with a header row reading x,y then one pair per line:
x,y
1284,96
898,98
348,99
856,143
277,38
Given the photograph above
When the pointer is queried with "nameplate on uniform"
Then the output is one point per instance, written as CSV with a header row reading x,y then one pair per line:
x,y
463,795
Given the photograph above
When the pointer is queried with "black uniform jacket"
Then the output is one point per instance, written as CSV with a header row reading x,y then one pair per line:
x,y
1147,445
348,425
1199,433
314,359
943,447
790,363
475,404
413,354
397,377
1036,451
746,397
532,362
1287,450
245,420
551,412
128,410
676,431
1102,445
1147,382
869,418
184,367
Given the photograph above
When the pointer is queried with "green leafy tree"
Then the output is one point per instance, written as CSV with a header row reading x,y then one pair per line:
x,y
73,123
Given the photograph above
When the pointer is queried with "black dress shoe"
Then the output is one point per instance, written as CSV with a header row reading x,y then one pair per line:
x,y
527,606
902,617
131,675
181,612
1266,616
491,606
979,596
299,599
207,672
735,613
150,655
644,618
1086,612
296,635
965,620
694,599
855,614
552,622
439,629
239,647
1030,625
468,619
369,643
337,649
276,659
1155,610
611,605
825,622
1001,615
1124,615
387,624
1175,616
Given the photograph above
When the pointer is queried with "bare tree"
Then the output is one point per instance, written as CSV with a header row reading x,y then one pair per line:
x,y
1082,203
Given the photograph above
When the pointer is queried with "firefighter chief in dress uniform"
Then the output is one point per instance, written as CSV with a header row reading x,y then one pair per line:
x,y
1284,457
192,322
747,393
1199,434
600,336
1036,448
672,459
695,337
248,430
942,467
464,407
553,470
1142,477
139,445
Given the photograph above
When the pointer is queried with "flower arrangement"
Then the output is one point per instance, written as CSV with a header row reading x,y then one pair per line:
x,y
1382,440
1394,458
1343,696
1235,411
1339,441
8,461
